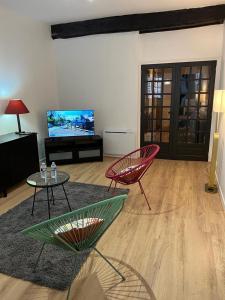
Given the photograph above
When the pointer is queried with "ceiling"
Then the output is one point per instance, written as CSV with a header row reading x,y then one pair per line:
x,y
61,11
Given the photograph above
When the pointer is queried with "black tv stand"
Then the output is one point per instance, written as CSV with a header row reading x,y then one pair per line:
x,y
67,150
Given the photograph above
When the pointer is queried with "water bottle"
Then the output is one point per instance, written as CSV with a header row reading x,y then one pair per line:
x,y
43,170
53,170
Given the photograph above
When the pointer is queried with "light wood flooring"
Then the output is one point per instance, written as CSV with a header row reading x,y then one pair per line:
x,y
175,251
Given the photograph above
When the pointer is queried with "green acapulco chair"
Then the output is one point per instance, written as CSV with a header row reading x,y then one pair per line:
x,y
79,230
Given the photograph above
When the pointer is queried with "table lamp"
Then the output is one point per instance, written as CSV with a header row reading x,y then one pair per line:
x,y
218,107
16,107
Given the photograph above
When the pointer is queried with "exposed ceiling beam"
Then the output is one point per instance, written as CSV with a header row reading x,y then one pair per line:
x,y
147,22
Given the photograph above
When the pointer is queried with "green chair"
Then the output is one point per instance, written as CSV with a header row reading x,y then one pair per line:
x,y
79,230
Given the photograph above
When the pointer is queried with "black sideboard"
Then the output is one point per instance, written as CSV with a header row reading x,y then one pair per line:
x,y
67,150
18,159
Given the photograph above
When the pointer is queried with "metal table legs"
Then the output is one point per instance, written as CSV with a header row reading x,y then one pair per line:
x,y
49,199
34,198
66,197
49,213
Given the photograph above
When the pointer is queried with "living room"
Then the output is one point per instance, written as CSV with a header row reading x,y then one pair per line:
x,y
134,78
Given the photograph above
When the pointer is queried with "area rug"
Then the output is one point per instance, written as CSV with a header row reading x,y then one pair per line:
x,y
18,253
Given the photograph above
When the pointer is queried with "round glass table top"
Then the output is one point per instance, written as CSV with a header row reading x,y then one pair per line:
x,y
37,181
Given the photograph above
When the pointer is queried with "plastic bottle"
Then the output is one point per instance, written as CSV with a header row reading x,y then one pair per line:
x,y
53,170
43,170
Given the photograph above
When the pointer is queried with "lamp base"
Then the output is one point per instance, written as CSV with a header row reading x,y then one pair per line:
x,y
213,189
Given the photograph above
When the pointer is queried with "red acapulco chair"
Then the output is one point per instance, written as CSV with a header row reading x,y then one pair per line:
x,y
131,168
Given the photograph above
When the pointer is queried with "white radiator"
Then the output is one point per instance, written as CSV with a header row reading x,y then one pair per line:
x,y
118,142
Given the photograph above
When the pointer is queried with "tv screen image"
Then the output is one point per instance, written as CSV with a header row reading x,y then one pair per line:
x,y
70,123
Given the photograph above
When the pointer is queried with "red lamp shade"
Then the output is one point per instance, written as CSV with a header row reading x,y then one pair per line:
x,y
16,107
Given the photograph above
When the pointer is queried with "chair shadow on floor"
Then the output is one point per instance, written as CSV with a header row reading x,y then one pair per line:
x,y
97,281
160,204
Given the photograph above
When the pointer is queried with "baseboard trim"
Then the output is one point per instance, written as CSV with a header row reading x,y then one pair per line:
x,y
222,198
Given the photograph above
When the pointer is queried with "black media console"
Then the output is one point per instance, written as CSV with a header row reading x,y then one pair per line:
x,y
67,150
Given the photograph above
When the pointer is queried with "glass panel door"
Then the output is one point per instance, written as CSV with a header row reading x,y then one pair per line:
x,y
194,107
176,108
156,108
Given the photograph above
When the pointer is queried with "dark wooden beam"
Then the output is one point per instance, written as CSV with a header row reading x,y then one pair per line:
x,y
147,22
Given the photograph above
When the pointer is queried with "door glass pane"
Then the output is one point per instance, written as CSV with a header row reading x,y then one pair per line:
x,y
148,136
194,86
182,124
192,112
166,113
156,136
205,72
191,137
204,85
185,71
167,87
148,118
158,100
165,125
203,112
166,100
202,125
184,85
158,74
157,112
157,87
149,74
182,136
191,124
149,87
201,137
168,74
196,71
203,99
156,125
148,100
165,136
193,100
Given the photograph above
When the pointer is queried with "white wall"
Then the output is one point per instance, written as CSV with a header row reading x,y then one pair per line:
x,y
27,71
103,71
100,72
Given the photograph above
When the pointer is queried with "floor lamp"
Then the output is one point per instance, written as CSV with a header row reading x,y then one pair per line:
x,y
218,107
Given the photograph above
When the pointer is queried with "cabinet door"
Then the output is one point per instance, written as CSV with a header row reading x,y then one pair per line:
x,y
24,157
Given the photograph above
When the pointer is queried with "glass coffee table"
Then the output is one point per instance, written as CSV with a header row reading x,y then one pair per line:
x,y
35,180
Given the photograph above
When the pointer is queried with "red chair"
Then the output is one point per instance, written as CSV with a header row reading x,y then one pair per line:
x,y
132,167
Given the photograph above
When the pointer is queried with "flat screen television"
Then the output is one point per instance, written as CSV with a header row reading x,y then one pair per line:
x,y
62,123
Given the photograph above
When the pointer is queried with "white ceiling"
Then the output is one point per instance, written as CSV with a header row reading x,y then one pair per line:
x,y
59,11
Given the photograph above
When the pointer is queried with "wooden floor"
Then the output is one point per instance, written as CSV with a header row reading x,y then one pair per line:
x,y
175,251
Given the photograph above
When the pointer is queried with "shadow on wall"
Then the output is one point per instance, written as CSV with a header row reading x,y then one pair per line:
x,y
7,122
3,104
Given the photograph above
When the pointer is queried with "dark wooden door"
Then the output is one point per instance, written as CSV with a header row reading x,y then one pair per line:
x,y
176,108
